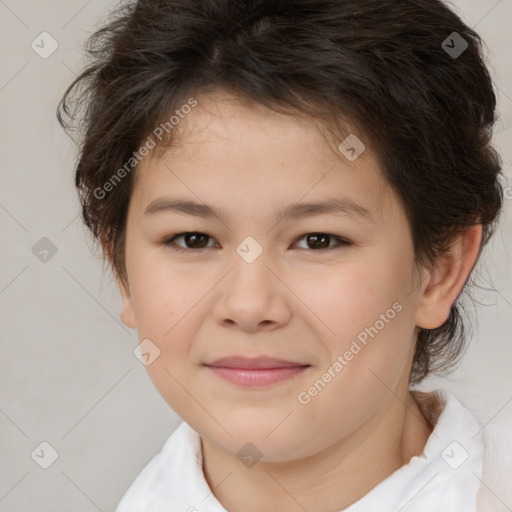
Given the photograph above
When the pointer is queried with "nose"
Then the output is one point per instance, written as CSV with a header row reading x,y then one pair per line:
x,y
252,297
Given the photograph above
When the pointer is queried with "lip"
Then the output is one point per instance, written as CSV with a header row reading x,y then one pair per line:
x,y
254,363
259,371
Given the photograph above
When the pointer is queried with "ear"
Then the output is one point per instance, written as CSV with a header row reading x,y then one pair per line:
x,y
442,285
127,314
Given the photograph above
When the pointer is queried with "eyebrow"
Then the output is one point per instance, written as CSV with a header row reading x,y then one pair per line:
x,y
344,206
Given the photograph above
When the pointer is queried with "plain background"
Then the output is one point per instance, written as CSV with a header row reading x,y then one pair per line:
x,y
68,374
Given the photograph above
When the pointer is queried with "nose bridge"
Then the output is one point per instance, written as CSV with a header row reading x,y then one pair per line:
x,y
250,263
252,296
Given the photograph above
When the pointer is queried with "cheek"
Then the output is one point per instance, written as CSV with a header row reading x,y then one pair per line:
x,y
367,322
161,293
165,303
350,299
369,353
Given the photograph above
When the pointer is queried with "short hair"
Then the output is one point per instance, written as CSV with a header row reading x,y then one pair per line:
x,y
408,76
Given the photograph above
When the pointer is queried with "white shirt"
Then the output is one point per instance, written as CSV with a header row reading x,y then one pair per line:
x,y
446,477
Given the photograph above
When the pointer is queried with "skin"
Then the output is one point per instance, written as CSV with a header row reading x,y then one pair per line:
x,y
295,302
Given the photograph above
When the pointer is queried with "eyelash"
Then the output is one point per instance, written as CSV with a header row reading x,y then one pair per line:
x,y
169,242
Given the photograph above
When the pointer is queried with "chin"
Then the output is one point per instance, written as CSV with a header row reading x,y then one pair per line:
x,y
279,444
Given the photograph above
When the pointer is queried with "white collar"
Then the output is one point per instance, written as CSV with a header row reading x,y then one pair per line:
x,y
445,477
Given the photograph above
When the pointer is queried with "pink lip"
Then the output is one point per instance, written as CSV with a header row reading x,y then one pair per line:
x,y
261,371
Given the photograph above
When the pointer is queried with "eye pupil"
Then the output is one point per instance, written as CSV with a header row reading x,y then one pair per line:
x,y
321,244
192,238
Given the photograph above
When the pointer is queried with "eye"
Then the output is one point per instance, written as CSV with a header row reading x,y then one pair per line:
x,y
322,241
195,240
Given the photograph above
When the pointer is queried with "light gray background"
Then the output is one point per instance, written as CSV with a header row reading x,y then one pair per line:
x,y
68,374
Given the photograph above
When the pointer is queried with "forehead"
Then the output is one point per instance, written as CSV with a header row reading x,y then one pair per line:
x,y
229,151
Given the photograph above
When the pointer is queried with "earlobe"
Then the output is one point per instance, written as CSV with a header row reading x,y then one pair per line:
x,y
443,284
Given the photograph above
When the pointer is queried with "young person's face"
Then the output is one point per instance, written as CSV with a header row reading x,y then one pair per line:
x,y
298,300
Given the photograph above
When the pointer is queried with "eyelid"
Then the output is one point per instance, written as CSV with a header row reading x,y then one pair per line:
x,y
341,241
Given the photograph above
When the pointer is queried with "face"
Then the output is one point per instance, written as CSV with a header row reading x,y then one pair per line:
x,y
328,293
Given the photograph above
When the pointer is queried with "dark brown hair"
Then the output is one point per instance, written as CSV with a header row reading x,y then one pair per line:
x,y
409,77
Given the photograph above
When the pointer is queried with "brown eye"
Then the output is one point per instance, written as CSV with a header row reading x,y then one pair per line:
x,y
318,241
193,240
196,240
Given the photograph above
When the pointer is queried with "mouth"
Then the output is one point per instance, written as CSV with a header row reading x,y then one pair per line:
x,y
260,371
